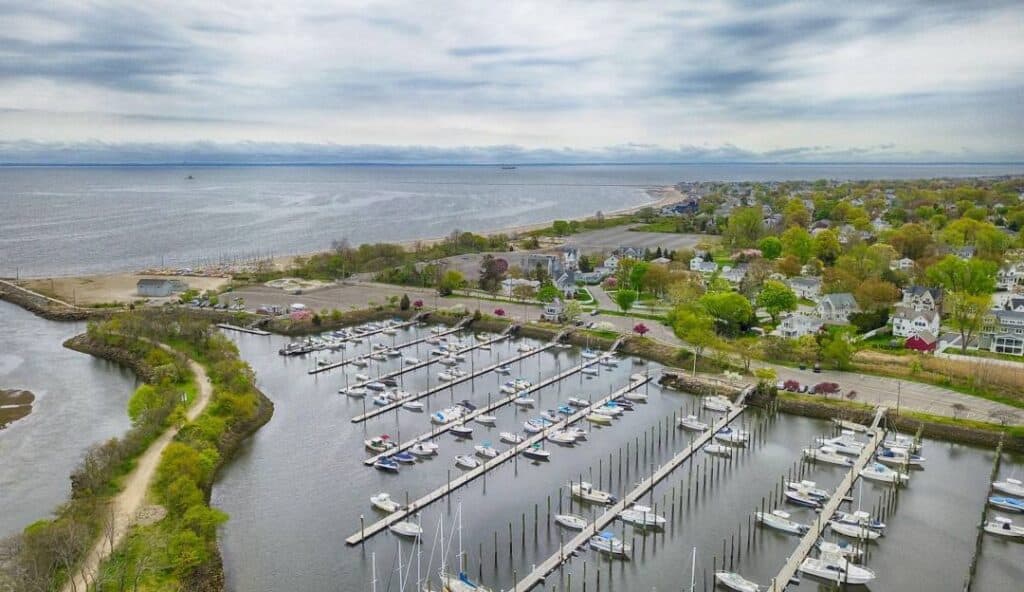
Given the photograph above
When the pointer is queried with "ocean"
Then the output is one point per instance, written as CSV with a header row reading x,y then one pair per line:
x,y
79,220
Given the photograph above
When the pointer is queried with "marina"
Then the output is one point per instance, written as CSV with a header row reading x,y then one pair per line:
x,y
318,369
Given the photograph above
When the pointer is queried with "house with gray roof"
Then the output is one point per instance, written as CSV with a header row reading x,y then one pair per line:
x,y
836,308
1003,332
806,287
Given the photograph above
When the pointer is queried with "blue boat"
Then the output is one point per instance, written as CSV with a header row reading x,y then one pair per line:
x,y
404,457
1007,503
385,463
566,410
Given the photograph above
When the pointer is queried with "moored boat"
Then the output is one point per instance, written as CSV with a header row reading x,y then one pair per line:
x,y
608,543
586,492
386,464
1004,527
827,455
380,443
642,516
880,472
833,567
424,449
486,450
599,419
573,521
466,462
511,438
1007,503
461,431
406,529
1010,486
383,502
690,422
536,452
780,520
735,581
854,531
717,450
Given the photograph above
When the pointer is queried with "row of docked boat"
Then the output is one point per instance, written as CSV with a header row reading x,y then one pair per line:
x,y
1011,501
339,339
832,565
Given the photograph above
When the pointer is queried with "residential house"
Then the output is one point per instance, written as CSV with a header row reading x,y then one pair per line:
x,y
836,308
661,261
904,264
1010,276
923,342
550,264
630,252
1015,303
879,225
687,207
612,263
566,283
798,325
966,252
734,275
701,266
806,287
907,321
922,298
1003,332
554,311
160,287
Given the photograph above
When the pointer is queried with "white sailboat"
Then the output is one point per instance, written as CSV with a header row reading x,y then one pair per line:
x,y
573,521
642,516
735,581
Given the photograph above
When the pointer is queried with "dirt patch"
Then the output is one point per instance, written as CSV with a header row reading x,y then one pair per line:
x,y
92,290
14,405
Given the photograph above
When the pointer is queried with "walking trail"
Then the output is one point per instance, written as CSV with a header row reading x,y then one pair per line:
x,y
126,504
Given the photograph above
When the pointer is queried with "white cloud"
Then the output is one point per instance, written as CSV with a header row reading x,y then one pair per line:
x,y
929,77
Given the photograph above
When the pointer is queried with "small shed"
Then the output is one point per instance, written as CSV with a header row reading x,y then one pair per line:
x,y
159,287
922,342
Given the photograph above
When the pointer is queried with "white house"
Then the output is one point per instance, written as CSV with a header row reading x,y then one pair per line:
x,y
798,325
836,308
806,287
1003,332
701,266
553,311
734,275
1010,276
922,298
908,322
904,264
612,262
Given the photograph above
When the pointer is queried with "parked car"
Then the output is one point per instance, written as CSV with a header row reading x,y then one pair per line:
x,y
595,312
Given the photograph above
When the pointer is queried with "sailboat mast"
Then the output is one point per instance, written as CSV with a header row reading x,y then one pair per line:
x,y
373,571
401,582
419,552
693,571
460,538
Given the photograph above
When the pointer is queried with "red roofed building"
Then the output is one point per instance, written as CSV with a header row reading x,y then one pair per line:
x,y
922,342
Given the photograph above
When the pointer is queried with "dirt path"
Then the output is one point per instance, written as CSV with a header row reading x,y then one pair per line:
x,y
129,501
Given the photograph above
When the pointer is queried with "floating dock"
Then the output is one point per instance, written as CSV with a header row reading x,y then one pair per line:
x,y
251,331
566,551
789,569
342,363
366,532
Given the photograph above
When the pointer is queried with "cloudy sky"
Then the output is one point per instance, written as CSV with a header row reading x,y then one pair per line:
x,y
474,81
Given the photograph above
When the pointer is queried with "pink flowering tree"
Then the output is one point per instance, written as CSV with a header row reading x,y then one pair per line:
x,y
418,304
640,329
499,312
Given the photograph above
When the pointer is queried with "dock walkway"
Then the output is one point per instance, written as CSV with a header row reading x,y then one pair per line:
x,y
400,346
552,563
793,562
366,532
250,330
451,383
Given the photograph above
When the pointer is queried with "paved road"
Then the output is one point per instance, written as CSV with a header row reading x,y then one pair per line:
x,y
870,389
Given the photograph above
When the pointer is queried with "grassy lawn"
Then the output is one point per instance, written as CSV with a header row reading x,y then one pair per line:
x,y
981,353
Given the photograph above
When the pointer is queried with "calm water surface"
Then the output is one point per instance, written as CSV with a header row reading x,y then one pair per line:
x,y
79,401
72,220
298,489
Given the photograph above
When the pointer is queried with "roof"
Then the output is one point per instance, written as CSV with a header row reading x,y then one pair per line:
x,y
155,282
922,290
807,282
840,300
902,312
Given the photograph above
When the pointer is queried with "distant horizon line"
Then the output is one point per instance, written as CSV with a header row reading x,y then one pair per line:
x,y
503,164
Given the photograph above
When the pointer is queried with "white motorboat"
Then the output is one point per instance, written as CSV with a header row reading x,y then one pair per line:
x,y
810,488
360,363
599,419
466,462
607,543
609,410
850,425
577,402
362,377
414,405
383,502
827,455
1011,504
844,548
485,419
588,354
690,422
731,436
536,452
424,449
523,401
577,432
446,415
900,457
573,521
833,567
562,437
635,396
717,404
354,391
376,385
380,443
410,361
903,441
461,431
845,443
858,518
509,388
486,450
510,438
533,426
642,516
550,415
590,371
586,492
382,400
1004,527
378,357
880,472
503,370
1009,486
802,498
780,520
735,581
524,347
406,529
718,450
853,531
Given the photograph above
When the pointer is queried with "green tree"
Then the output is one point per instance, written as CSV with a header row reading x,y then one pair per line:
x,y
695,326
776,297
797,242
451,280
796,214
771,247
731,310
966,314
744,228
404,304
973,277
492,271
637,274
625,298
572,310
548,292
912,240
827,246
837,349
